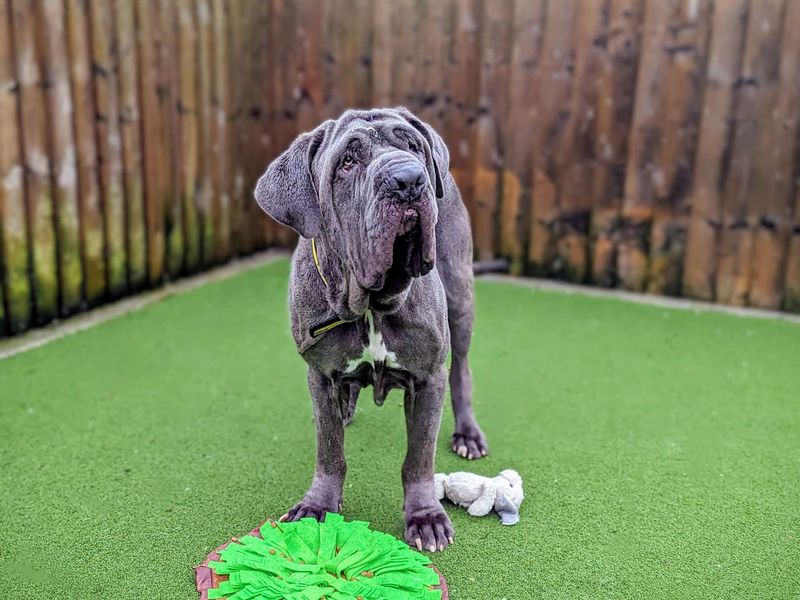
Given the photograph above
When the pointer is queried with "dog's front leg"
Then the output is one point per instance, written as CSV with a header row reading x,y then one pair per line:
x,y
427,525
325,493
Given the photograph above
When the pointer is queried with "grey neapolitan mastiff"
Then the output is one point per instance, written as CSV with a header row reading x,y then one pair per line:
x,y
380,290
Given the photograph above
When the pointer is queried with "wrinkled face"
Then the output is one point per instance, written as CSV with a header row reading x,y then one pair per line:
x,y
378,206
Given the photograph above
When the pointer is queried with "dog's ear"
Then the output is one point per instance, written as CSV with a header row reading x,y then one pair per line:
x,y
287,191
439,156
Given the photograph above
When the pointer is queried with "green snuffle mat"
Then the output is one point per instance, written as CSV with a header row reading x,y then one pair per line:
x,y
309,560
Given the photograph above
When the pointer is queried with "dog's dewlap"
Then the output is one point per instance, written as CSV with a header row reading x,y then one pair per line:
x,y
333,559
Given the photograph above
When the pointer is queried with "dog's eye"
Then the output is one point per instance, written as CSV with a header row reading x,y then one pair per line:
x,y
347,162
413,147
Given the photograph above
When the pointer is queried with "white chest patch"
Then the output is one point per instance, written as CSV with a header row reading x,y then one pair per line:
x,y
375,352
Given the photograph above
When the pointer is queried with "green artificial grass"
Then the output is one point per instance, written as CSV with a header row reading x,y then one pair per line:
x,y
660,449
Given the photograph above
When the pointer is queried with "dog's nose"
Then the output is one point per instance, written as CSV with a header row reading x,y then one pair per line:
x,y
408,181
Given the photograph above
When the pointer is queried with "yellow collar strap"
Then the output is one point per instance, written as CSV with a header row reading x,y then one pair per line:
x,y
324,327
316,261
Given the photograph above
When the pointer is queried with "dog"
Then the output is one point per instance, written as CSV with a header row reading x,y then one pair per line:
x,y
381,288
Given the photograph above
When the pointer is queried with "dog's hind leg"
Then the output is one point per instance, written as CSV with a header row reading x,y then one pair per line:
x,y
454,264
325,493
468,440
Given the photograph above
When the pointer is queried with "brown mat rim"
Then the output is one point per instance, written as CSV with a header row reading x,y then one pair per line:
x,y
205,578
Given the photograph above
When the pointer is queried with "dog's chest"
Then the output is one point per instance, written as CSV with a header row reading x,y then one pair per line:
x,y
361,354
374,352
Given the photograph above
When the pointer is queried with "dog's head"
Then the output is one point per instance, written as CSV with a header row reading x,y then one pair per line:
x,y
366,186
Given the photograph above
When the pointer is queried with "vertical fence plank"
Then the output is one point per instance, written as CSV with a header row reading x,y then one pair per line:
x,y
220,153
13,222
493,105
755,103
152,127
724,64
361,53
462,110
344,30
332,102
260,45
109,146
238,134
254,138
348,37
554,80
405,23
293,75
33,132
167,90
92,223
281,23
416,54
382,28
576,157
664,129
130,132
205,130
188,110
436,33
282,29
310,89
528,26
614,115
686,48
233,65
777,157
637,207
62,154
334,84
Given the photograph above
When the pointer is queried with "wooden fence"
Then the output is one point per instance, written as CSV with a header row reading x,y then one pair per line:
x,y
647,144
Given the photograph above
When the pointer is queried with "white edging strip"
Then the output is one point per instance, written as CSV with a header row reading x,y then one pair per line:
x,y
59,329
647,299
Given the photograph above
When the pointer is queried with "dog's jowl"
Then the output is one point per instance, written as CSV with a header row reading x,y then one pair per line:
x,y
380,291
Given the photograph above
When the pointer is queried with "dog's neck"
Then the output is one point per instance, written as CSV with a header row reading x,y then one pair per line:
x,y
343,293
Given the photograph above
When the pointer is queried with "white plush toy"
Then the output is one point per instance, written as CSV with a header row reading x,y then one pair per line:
x,y
482,494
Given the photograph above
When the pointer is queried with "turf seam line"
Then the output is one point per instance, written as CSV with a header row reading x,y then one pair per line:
x,y
36,338
645,299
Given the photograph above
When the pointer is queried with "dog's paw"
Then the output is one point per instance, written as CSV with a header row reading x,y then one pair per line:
x,y
470,443
305,508
429,528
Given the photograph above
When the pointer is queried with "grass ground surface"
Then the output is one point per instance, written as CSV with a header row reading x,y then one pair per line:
x,y
660,449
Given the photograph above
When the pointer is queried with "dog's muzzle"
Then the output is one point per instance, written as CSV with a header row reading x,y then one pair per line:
x,y
407,181
401,224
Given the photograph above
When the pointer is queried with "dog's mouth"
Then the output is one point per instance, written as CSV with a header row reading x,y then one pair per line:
x,y
407,250
408,262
